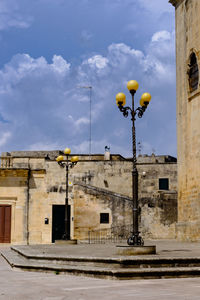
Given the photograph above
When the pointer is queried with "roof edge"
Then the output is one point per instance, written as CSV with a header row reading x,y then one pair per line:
x,y
175,3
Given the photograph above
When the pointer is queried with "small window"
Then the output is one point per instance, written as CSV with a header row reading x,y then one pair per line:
x,y
193,73
104,218
163,184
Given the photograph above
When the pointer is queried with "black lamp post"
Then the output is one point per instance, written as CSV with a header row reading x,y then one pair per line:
x,y
135,239
67,164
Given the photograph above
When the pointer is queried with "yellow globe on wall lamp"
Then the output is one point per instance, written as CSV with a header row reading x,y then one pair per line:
x,y
74,159
132,85
67,151
121,99
145,99
59,158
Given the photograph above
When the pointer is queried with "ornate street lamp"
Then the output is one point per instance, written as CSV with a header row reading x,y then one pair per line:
x,y
65,162
135,239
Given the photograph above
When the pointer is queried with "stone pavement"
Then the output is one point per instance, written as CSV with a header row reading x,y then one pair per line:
x,y
19,285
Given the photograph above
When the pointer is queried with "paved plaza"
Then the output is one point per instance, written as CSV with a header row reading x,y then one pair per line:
x,y
23,285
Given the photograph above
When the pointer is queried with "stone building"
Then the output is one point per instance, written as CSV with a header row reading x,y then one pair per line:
x,y
33,187
188,117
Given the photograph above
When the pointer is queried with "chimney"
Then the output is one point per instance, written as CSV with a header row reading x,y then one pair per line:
x,y
107,153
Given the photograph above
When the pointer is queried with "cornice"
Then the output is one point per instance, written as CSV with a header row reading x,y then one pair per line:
x,y
175,3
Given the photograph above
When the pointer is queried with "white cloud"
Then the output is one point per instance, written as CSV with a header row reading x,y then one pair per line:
x,y
10,15
160,59
82,121
97,109
123,49
86,36
98,146
43,146
45,107
4,138
161,35
23,66
97,61
60,65
79,123
82,147
119,132
121,55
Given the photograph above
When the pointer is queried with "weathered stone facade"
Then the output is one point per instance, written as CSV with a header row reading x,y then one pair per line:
x,y
33,184
90,201
188,120
158,206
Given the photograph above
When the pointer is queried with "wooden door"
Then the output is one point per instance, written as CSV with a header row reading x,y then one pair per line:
x,y
5,223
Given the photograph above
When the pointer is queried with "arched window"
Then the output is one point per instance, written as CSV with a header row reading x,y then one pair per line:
x,y
193,73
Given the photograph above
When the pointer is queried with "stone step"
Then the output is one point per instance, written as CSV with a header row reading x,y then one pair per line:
x,y
114,262
19,262
66,242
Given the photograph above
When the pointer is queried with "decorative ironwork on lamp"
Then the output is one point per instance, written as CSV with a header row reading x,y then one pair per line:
x,y
66,163
135,239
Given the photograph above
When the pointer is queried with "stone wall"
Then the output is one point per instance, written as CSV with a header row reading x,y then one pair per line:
x,y
90,201
14,192
158,216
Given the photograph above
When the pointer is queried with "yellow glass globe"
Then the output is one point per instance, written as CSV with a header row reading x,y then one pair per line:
x,y
145,99
121,99
67,151
74,159
132,85
59,158
142,103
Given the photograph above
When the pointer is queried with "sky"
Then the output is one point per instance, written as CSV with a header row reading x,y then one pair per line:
x,y
51,49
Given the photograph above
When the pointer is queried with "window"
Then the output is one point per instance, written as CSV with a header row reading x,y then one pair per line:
x,y
104,218
193,73
163,184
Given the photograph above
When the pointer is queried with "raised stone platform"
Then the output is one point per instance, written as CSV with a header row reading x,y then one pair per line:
x,y
173,259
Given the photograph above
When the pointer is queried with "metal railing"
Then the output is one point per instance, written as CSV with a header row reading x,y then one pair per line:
x,y
117,234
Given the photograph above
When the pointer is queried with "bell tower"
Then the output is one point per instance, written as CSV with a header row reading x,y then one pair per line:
x,y
188,117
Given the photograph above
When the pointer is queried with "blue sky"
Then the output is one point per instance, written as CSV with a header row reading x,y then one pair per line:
x,y
50,48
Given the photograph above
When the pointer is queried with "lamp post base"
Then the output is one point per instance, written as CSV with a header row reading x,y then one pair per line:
x,y
135,240
136,250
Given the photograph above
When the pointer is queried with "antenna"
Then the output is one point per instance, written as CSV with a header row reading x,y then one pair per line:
x,y
90,109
